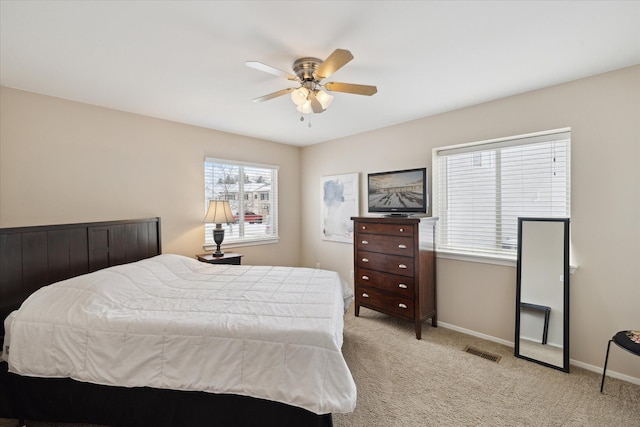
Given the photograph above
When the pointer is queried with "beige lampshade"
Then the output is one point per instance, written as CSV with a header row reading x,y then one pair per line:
x,y
219,212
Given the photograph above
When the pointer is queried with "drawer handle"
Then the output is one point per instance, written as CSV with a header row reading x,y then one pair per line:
x,y
364,227
365,259
402,246
365,295
364,242
402,285
402,266
365,277
402,230
402,305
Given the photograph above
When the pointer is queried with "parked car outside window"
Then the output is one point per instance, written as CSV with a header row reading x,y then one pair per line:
x,y
250,217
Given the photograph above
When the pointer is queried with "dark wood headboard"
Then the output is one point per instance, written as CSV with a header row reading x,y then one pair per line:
x,y
33,257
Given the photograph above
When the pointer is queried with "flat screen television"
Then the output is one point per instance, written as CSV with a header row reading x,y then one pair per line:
x,y
398,193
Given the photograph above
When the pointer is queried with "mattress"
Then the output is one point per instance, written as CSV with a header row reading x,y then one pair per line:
x,y
172,322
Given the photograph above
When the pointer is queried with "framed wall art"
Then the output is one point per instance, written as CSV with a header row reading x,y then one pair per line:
x,y
339,203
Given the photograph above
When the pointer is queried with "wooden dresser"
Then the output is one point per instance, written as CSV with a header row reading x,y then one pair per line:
x,y
395,267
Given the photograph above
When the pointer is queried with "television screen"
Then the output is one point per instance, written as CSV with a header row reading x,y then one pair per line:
x,y
401,192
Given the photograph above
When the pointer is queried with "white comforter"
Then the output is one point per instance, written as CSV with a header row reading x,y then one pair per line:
x,y
176,323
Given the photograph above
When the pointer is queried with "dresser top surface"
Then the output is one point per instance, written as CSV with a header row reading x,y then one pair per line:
x,y
394,220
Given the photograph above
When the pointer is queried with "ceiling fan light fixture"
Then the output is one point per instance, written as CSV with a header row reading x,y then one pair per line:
x,y
305,108
324,98
299,96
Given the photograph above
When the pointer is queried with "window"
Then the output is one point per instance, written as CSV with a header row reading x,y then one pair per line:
x,y
482,188
241,183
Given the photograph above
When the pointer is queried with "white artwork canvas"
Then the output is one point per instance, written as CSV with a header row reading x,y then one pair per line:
x,y
339,204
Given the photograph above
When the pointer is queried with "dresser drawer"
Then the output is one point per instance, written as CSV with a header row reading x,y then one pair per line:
x,y
388,229
396,245
400,285
393,264
393,304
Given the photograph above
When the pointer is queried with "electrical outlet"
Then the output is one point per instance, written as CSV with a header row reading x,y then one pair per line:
x,y
317,265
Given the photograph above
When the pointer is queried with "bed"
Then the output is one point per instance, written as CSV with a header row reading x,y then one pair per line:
x,y
164,340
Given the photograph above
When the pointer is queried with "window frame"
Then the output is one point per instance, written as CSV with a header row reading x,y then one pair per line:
x,y
496,255
244,200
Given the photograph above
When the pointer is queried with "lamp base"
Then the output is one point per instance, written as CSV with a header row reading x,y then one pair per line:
x,y
218,237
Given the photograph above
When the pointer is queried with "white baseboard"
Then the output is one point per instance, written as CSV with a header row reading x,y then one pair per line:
x,y
475,334
588,367
610,373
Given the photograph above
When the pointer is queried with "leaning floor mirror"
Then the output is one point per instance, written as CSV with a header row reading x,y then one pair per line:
x,y
542,292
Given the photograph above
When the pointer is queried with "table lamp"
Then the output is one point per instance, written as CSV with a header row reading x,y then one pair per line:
x,y
218,212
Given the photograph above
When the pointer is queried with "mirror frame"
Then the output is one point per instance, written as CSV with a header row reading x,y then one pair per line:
x,y
566,271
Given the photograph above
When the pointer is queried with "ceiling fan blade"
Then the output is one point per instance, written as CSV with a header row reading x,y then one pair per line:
x,y
351,88
274,94
315,104
333,63
271,70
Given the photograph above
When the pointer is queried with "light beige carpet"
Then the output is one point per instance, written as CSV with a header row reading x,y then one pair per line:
x,y
403,382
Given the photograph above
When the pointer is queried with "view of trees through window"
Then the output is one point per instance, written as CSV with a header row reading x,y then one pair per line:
x,y
252,194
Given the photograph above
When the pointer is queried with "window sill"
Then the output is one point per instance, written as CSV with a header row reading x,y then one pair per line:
x,y
483,259
487,259
244,243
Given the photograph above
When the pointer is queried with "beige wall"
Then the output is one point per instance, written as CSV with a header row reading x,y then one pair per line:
x,y
62,161
603,113
65,162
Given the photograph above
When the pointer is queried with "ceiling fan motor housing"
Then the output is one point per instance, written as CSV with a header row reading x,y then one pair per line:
x,y
305,69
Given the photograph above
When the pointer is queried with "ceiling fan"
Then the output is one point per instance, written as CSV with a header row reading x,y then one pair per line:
x,y
309,73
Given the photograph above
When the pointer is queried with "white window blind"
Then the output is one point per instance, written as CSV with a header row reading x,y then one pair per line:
x,y
482,188
252,192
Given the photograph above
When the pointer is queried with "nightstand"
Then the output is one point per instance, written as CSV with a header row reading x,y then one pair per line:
x,y
227,258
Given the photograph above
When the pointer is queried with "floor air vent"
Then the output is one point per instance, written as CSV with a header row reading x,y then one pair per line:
x,y
483,354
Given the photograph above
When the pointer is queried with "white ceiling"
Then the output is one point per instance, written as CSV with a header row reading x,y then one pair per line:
x,y
185,60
